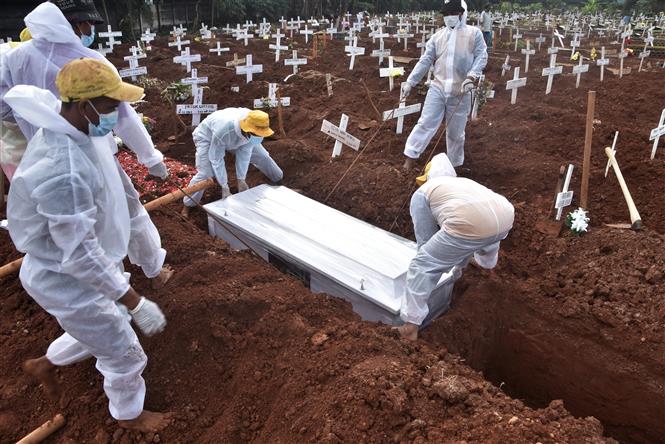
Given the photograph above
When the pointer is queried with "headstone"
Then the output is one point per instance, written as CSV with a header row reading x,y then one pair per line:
x,y
295,62
249,70
514,84
656,133
391,72
197,107
550,72
272,101
340,135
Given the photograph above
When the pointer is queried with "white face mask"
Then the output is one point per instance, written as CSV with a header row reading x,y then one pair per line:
x,y
451,20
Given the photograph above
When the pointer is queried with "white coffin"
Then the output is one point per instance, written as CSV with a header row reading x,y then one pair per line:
x,y
329,251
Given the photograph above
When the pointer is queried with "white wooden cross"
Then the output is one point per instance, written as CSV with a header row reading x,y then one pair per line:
x,y
399,114
186,59
514,84
391,72
565,197
197,107
506,66
421,44
381,52
528,52
553,49
236,61
517,36
244,35
147,37
550,72
560,37
103,50
340,135
219,50
540,40
249,70
295,62
406,36
331,31
307,32
353,50
574,43
602,61
179,43
111,35
614,151
329,85
622,54
579,70
134,68
643,55
271,101
656,133
277,46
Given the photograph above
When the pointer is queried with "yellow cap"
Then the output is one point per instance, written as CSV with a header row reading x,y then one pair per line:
x,y
87,78
25,35
258,123
422,179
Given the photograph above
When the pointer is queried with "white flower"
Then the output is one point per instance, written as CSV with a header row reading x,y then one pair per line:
x,y
579,225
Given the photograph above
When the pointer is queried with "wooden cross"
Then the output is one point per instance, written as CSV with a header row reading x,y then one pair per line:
x,y
602,61
399,114
405,35
421,44
295,62
517,36
381,52
147,37
565,197
340,135
197,107
391,72
219,50
179,43
111,35
186,59
249,70
244,35
329,85
102,49
528,52
353,50
506,66
514,84
579,70
307,32
574,43
643,55
550,72
656,133
272,101
235,62
540,40
134,68
278,45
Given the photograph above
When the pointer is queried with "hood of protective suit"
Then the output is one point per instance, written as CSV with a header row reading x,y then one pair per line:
x,y
439,166
41,108
46,22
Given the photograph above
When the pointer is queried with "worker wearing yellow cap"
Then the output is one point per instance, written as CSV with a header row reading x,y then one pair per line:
x,y
454,219
236,130
68,212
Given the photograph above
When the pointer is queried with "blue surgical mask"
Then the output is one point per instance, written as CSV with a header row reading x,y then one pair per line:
x,y
255,140
106,123
88,40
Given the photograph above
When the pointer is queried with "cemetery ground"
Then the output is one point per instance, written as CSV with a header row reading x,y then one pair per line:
x,y
249,354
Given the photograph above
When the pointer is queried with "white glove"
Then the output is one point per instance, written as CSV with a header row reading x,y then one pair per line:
x,y
406,90
468,85
159,170
148,317
242,186
226,192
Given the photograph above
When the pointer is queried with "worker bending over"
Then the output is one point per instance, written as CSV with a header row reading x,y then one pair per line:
x,y
59,36
454,218
68,213
459,54
238,131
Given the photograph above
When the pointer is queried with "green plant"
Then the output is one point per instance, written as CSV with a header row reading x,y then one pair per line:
x,y
176,92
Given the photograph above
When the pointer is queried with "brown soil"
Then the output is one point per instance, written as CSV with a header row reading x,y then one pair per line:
x,y
250,355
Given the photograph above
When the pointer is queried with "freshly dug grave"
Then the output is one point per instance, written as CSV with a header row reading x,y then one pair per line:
x,y
562,317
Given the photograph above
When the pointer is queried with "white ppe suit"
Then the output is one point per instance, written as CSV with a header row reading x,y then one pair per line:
x,y
12,141
67,211
454,218
456,54
218,134
37,62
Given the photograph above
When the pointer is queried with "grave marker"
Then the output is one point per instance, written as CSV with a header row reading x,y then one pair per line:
x,y
244,35
528,52
602,61
656,133
340,135
111,35
186,59
540,40
197,107
421,44
399,114
329,84
517,36
391,72
249,70
272,101
643,55
579,70
277,46
134,68
179,43
219,50
353,50
295,62
565,197
307,32
550,72
235,62
505,67
514,84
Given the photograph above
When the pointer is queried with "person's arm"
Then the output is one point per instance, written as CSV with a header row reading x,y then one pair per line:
x,y
68,204
426,60
479,56
243,156
131,130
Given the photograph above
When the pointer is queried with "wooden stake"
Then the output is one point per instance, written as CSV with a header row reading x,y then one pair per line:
x,y
588,138
2,189
559,186
279,114
635,219
44,431
11,267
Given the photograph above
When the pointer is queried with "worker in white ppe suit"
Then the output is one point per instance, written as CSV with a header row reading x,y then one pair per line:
x,y
458,54
67,211
454,219
234,130
37,62
12,140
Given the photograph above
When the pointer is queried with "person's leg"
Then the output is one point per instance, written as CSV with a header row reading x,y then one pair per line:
x,y
261,159
145,244
457,110
204,171
424,224
488,255
428,123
